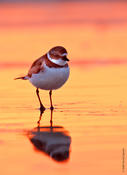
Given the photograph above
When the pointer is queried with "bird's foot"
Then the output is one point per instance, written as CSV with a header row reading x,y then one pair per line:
x,y
51,108
42,108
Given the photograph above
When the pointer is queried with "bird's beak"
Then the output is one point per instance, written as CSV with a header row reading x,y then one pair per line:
x,y
65,58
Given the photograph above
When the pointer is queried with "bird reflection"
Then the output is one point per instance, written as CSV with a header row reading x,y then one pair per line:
x,y
52,140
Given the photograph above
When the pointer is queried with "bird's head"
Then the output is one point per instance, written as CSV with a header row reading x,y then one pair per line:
x,y
58,55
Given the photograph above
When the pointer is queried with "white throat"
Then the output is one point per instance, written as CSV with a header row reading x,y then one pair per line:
x,y
59,62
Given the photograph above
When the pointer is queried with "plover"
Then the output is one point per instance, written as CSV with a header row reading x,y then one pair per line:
x,y
49,72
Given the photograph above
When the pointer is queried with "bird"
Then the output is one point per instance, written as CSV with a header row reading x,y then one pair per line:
x,y
49,72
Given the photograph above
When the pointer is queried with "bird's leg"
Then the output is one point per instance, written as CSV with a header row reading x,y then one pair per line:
x,y
42,108
50,95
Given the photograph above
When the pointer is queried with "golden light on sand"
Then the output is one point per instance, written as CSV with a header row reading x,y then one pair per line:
x,y
91,107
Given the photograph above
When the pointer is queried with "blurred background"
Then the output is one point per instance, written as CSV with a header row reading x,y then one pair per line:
x,y
93,31
91,107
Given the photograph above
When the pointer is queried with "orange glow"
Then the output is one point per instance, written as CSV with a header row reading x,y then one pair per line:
x,y
86,32
92,106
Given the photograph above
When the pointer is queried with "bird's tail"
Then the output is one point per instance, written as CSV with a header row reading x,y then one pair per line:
x,y
22,78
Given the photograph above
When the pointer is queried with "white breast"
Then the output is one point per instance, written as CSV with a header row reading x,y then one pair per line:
x,y
50,78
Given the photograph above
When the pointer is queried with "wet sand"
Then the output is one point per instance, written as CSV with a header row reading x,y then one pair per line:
x,y
93,112
89,120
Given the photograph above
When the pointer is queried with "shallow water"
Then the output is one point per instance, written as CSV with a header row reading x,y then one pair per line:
x,y
89,123
88,131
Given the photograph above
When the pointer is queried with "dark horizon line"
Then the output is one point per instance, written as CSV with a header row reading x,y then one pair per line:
x,y
59,1
81,62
